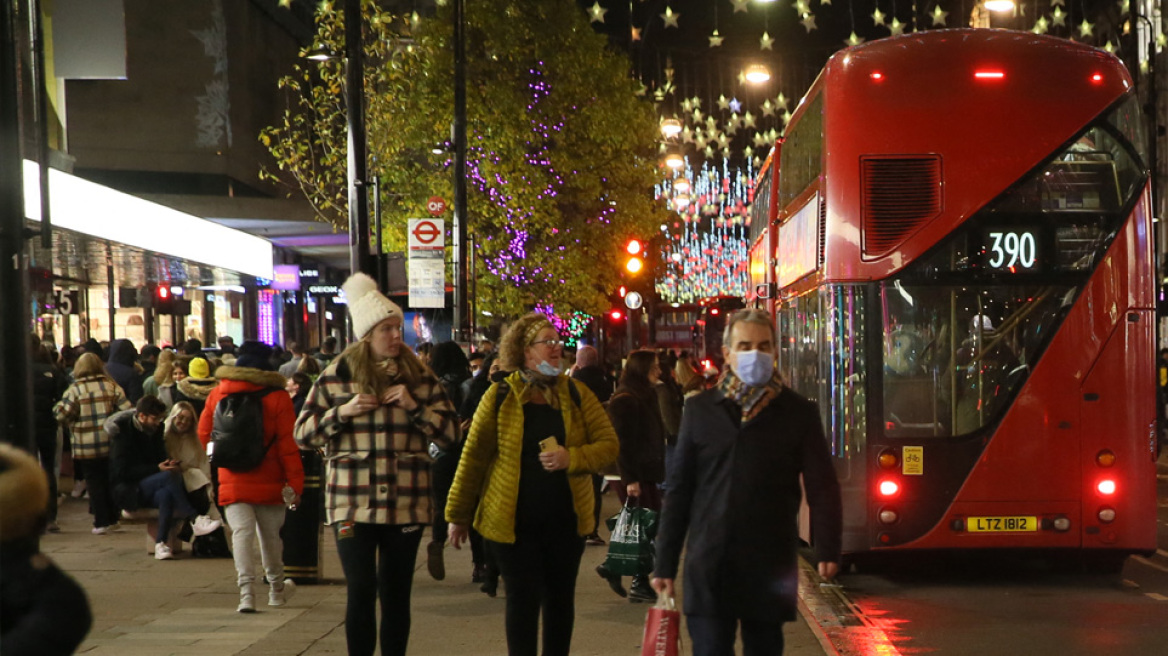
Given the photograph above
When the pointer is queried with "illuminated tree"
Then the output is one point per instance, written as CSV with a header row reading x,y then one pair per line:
x,y
561,152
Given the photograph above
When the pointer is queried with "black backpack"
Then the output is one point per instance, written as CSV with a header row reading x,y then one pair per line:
x,y
237,432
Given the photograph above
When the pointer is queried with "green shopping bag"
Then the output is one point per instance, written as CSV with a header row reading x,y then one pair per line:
x,y
630,547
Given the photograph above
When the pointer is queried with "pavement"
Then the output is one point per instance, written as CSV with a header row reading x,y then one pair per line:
x,y
186,606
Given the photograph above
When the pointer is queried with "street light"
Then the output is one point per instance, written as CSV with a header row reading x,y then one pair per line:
x,y
673,158
357,145
670,128
757,73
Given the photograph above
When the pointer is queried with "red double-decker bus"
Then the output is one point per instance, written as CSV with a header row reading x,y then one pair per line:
x,y
963,255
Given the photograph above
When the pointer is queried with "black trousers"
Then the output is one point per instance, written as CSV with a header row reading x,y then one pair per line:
x,y
378,561
101,493
714,636
46,444
539,571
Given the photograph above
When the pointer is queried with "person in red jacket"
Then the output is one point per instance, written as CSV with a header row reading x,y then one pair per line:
x,y
253,500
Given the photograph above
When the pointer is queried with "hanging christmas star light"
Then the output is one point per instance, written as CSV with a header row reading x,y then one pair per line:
x,y
716,39
739,5
808,22
670,17
1058,17
1041,25
896,27
939,16
766,42
1085,29
596,13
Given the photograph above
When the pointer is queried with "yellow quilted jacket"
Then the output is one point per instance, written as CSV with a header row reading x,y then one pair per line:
x,y
488,472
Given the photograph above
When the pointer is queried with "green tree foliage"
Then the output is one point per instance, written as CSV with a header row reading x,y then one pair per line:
x,y
562,155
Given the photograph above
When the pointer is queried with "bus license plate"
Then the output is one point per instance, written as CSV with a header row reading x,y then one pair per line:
x,y
1002,524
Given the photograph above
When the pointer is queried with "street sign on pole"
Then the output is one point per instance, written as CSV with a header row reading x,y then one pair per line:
x,y
426,239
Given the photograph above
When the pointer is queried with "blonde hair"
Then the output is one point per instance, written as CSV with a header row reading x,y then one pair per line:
x,y
165,365
512,355
89,365
371,377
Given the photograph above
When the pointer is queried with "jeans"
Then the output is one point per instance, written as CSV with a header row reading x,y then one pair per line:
x,y
714,636
246,520
101,494
164,491
378,560
540,570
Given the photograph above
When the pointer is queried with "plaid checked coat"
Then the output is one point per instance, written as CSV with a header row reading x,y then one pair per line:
x,y
378,464
84,408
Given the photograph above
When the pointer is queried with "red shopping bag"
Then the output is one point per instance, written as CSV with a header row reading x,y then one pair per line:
x,y
662,629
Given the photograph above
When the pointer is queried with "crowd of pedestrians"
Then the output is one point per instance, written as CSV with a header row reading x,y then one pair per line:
x,y
509,450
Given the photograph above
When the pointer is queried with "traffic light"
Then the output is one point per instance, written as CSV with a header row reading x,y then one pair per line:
x,y
636,260
169,300
616,315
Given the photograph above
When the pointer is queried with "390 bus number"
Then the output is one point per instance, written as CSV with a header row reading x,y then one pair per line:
x,y
1012,249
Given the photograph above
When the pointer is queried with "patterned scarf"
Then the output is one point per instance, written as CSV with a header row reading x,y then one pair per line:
x,y
752,400
545,384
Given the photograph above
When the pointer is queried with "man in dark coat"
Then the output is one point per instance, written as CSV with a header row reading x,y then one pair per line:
x,y
734,487
589,372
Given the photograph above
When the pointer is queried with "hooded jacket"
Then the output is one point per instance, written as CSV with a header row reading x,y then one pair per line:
x,y
194,391
636,418
263,485
122,358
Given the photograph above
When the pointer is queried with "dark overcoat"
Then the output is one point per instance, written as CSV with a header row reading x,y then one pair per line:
x,y
734,488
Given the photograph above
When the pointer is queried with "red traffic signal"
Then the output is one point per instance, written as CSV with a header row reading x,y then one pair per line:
x,y
616,315
634,247
162,292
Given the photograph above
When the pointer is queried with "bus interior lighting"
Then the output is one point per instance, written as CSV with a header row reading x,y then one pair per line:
x,y
1106,487
1107,515
1105,458
989,75
889,488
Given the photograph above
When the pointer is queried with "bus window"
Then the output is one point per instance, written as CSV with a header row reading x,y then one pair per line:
x,y
955,355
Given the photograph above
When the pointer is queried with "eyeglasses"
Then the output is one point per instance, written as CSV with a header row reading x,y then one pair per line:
x,y
552,343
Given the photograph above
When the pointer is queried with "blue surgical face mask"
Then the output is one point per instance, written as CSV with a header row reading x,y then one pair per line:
x,y
545,368
754,367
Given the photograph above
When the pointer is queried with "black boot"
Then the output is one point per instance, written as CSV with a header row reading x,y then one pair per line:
x,y
641,591
490,584
614,581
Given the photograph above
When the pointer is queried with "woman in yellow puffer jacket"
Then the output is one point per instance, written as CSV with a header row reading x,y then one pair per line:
x,y
530,457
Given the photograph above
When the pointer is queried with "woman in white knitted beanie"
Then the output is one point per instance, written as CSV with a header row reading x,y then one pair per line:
x,y
375,410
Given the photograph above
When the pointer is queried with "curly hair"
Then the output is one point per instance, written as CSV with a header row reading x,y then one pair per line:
x,y
518,337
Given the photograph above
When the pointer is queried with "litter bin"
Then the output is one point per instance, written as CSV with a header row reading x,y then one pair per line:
x,y
303,562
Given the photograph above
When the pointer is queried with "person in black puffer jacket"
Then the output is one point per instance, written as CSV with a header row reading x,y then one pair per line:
x,y
123,367
452,368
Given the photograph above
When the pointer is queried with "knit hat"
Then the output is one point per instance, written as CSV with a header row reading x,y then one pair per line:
x,y
255,355
367,306
199,368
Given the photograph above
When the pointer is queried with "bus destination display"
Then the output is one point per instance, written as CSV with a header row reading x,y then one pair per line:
x,y
1013,250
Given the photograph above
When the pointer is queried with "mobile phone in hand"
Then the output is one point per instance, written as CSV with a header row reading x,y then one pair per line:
x,y
548,444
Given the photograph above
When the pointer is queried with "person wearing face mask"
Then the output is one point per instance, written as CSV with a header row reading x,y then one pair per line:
x,y
536,438
375,410
733,486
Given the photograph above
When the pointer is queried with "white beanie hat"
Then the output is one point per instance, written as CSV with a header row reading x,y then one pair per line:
x,y
367,306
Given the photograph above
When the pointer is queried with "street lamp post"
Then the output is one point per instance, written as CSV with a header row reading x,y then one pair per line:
x,y
461,255
359,258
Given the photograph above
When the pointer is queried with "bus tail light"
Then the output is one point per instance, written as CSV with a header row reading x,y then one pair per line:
x,y
889,488
887,459
1106,487
1105,458
1107,515
1097,78
989,74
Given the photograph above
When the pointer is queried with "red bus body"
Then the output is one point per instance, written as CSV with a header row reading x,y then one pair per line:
x,y
963,250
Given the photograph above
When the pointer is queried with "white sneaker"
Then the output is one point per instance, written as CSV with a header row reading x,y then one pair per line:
x,y
280,593
204,525
78,489
162,552
101,530
246,603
